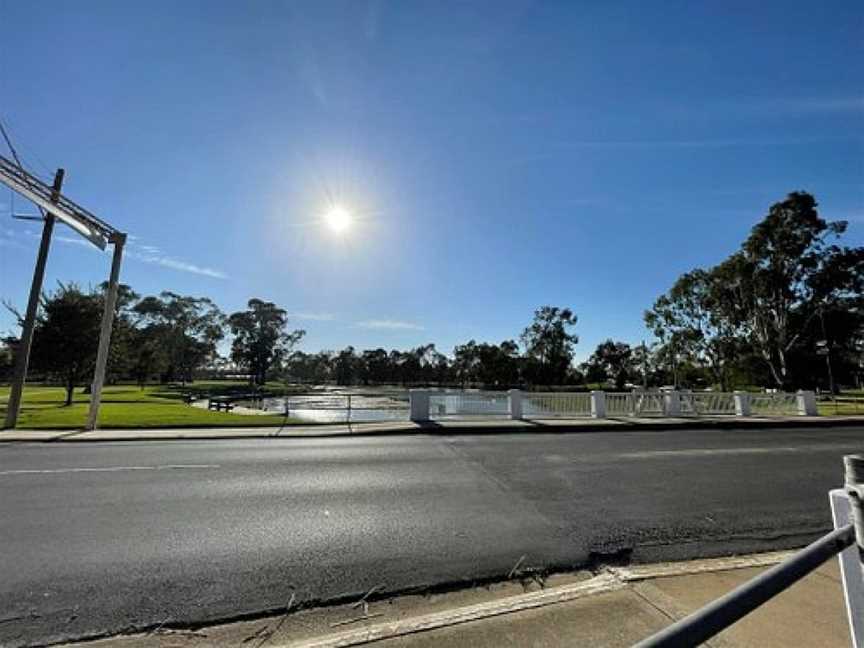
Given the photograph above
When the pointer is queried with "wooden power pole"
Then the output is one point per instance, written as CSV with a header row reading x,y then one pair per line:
x,y
105,331
56,206
22,353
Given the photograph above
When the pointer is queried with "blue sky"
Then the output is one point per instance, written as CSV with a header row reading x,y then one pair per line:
x,y
500,156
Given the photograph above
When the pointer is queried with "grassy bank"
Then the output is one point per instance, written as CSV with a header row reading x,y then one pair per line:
x,y
128,406
846,403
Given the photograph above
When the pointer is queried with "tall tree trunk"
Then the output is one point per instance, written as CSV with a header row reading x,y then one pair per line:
x,y
778,379
70,388
784,372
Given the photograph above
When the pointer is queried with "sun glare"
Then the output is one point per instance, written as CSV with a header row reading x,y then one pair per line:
x,y
338,219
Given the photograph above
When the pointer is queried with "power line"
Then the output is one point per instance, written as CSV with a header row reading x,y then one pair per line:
x,y
29,157
17,160
9,144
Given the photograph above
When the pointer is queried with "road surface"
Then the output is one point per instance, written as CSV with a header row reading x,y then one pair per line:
x,y
109,537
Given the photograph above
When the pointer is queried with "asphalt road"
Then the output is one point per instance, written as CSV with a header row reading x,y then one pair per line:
x,y
110,537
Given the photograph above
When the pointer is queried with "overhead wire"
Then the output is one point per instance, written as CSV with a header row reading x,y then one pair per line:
x,y
17,159
45,174
9,144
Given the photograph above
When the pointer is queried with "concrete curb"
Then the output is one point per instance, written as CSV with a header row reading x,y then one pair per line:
x,y
597,585
448,428
612,579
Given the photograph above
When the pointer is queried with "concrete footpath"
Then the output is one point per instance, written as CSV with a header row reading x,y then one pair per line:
x,y
609,607
461,426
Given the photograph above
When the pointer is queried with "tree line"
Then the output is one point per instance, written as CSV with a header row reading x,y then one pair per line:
x,y
169,338
157,338
544,358
785,310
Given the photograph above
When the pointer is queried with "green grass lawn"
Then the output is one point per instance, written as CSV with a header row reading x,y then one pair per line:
x,y
127,406
847,403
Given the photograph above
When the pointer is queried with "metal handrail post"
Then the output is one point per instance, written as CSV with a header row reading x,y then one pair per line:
x,y
854,582
850,569
854,483
723,612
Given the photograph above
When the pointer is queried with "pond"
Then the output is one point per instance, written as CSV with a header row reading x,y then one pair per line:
x,y
338,406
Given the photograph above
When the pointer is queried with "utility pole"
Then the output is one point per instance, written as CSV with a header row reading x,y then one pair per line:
x,y
644,366
56,206
673,362
827,352
118,240
22,354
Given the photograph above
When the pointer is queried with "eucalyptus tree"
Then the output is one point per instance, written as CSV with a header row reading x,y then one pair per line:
x,y
310,367
488,364
549,342
187,330
7,357
375,367
261,338
66,336
693,321
788,271
787,278
613,361
347,366
431,365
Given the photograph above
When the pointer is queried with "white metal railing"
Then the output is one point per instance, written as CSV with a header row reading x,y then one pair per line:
x,y
339,407
619,404
468,403
344,405
773,404
553,405
638,403
707,403
648,403
426,404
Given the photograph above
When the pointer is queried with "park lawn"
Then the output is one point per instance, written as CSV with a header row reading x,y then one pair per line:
x,y
124,406
844,405
847,402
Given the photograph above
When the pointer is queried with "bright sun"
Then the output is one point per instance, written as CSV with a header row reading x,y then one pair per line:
x,y
338,219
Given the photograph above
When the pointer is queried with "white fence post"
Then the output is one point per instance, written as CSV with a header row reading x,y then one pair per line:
x,y
419,399
598,404
514,397
686,404
851,574
742,403
806,403
672,403
854,586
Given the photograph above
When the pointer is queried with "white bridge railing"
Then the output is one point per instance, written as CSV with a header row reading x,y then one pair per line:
x,y
708,403
468,404
773,404
556,405
426,405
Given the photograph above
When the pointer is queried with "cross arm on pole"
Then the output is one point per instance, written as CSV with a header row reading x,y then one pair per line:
x,y
82,221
